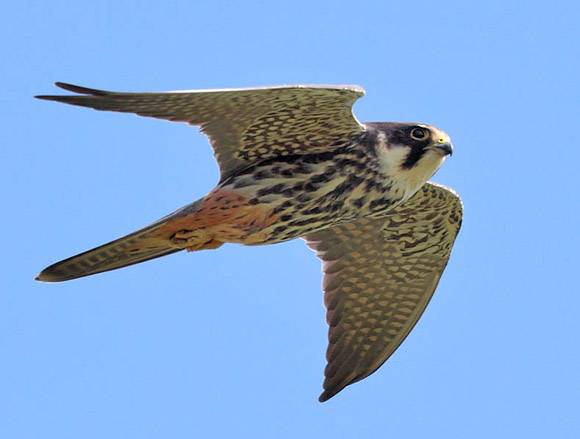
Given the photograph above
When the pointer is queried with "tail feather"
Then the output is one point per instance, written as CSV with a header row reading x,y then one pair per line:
x,y
139,246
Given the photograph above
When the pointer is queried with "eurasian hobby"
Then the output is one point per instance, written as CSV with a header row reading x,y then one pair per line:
x,y
295,162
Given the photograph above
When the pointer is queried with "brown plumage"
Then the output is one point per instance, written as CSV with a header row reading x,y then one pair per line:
x,y
295,162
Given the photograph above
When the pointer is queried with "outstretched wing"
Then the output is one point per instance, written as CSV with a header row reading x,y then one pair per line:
x,y
243,125
379,275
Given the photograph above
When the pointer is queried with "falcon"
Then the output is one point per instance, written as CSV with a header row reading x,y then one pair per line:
x,y
295,162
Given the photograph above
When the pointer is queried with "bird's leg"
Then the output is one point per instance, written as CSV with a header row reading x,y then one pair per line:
x,y
194,240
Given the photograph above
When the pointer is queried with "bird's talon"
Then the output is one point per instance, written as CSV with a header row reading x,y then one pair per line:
x,y
184,236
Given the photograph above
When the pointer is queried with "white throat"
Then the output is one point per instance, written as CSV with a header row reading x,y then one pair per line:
x,y
406,181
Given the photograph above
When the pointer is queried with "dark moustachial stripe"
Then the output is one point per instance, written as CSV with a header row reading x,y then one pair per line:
x,y
401,134
397,134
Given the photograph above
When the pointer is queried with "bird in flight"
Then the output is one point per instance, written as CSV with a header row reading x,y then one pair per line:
x,y
295,163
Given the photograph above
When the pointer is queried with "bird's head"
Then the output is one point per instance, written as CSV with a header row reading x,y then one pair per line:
x,y
410,152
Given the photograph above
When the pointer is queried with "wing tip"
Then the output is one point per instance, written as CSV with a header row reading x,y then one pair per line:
x,y
47,97
80,90
327,394
75,89
323,397
42,278
66,86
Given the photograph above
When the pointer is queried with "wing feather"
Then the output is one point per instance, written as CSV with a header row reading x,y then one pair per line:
x,y
379,275
243,125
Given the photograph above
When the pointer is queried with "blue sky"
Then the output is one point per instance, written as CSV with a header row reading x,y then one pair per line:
x,y
231,343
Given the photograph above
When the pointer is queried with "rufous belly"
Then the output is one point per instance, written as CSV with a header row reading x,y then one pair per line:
x,y
223,216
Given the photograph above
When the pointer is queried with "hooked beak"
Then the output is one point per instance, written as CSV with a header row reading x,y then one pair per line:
x,y
445,148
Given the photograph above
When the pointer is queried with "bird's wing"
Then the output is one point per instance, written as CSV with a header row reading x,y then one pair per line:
x,y
244,125
379,275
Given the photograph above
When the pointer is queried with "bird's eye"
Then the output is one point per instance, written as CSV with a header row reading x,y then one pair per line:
x,y
419,133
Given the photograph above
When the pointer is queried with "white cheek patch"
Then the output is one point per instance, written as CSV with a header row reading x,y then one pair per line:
x,y
406,181
423,170
392,159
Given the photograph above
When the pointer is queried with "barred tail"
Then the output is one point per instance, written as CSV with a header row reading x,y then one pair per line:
x,y
139,246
